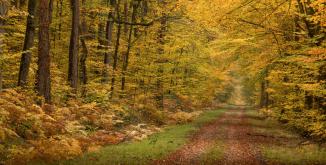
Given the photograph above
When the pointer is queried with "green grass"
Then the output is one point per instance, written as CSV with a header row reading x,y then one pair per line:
x,y
285,150
142,152
304,155
268,126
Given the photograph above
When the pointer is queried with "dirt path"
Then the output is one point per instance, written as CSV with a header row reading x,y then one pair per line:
x,y
240,147
232,129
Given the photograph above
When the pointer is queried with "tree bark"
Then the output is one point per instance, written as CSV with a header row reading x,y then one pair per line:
x,y
116,51
126,57
73,47
84,54
321,79
126,12
108,42
3,13
28,44
60,19
43,81
262,94
160,71
50,10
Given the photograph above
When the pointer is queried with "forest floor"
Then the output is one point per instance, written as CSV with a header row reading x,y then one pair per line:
x,y
243,137
230,135
233,130
237,135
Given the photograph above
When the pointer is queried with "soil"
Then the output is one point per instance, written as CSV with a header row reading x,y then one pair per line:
x,y
233,130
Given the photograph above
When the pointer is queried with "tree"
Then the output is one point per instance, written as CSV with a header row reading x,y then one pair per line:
x,y
3,13
116,49
43,79
135,5
74,46
28,44
84,53
108,42
160,51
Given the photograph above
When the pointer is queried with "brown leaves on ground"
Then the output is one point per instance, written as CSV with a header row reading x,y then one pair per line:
x,y
232,129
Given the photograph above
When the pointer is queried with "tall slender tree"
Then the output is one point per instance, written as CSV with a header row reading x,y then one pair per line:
x,y
3,12
159,83
135,5
43,80
28,44
73,48
116,50
84,53
108,42
125,15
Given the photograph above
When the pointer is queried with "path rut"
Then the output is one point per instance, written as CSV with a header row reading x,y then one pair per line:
x,y
232,129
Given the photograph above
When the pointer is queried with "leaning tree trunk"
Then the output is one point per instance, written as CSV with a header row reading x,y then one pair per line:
x,y
43,82
73,47
28,44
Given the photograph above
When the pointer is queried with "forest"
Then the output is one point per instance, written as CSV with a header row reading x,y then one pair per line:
x,y
77,76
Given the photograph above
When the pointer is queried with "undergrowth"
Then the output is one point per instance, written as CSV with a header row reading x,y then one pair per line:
x,y
142,152
285,146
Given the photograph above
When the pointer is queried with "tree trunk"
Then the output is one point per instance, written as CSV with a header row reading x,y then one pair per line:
x,y
73,47
108,36
262,94
83,58
267,101
28,44
126,57
43,81
60,19
116,51
0,74
321,100
3,13
126,16
50,10
160,71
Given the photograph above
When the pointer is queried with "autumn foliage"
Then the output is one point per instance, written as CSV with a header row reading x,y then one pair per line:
x,y
78,75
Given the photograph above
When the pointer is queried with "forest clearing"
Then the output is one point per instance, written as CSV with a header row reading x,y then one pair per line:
x,y
162,82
